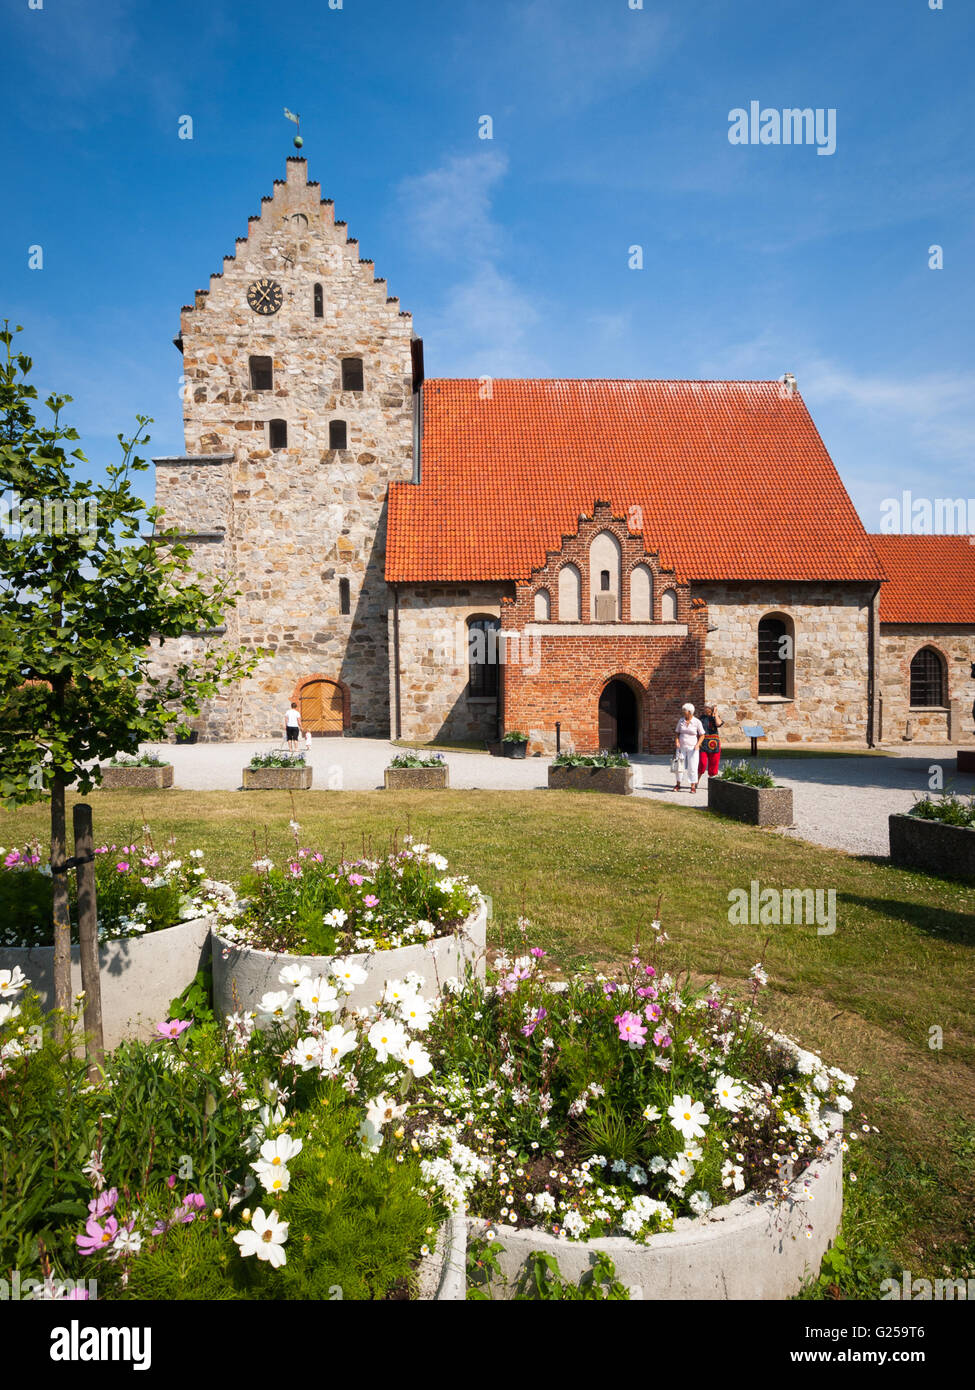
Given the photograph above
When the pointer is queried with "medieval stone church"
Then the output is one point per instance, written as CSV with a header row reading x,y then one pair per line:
x,y
456,558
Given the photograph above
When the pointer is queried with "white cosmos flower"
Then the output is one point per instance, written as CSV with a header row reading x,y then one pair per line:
x,y
681,1170
729,1093
348,974
317,995
306,1053
688,1116
651,1113
293,974
12,982
276,1004
8,1011
381,1110
394,991
417,1059
271,1177
415,1012
388,1038
336,1044
281,1150
370,1137
265,1239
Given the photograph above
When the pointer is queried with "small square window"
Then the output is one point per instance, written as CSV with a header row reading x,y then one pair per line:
x,y
337,434
277,433
262,374
351,373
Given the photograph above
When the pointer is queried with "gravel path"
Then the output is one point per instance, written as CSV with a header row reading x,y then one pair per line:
x,y
840,802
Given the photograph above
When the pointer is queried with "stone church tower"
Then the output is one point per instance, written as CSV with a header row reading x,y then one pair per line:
x,y
299,411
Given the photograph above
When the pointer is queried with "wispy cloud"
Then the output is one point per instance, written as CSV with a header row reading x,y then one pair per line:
x,y
579,54
448,210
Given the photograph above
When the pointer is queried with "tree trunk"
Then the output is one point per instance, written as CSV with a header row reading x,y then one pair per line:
x,y
62,920
84,850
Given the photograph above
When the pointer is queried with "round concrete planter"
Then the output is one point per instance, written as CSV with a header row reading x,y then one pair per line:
x,y
932,846
242,975
140,975
753,805
745,1250
416,778
592,779
140,778
276,779
442,1276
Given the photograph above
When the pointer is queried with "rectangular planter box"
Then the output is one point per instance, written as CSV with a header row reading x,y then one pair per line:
x,y
141,778
966,759
416,778
945,850
513,750
618,780
276,779
753,805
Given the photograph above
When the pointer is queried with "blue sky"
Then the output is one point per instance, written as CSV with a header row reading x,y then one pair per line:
x,y
610,130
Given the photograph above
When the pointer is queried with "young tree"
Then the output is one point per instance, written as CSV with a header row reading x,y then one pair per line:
x,y
83,595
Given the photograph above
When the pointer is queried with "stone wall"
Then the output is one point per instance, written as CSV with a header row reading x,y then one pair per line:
x,y
899,642
297,520
433,669
830,693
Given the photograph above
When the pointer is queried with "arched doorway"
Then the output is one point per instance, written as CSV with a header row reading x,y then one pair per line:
x,y
321,704
619,718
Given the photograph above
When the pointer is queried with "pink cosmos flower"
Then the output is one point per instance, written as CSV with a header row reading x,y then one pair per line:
x,y
662,1038
173,1027
538,953
122,867
357,879
12,858
104,1202
371,900
97,1237
294,869
609,988
534,1021
631,1029
651,1013
649,970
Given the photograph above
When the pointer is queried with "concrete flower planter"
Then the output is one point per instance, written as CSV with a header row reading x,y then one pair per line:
x,y
745,1250
276,779
932,846
139,975
618,780
753,805
442,1276
141,778
242,975
514,750
404,779
965,760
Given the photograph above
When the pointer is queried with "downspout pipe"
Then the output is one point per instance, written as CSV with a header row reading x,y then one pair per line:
x,y
872,668
397,706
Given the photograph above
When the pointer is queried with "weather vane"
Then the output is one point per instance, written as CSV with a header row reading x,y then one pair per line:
x,y
297,120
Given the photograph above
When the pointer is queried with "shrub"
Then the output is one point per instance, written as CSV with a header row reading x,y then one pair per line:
x,y
746,774
948,808
277,759
515,736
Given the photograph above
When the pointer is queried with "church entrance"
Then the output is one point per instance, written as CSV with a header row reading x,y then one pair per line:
x,y
320,707
619,719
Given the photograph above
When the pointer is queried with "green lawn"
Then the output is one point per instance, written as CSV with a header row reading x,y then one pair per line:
x,y
589,869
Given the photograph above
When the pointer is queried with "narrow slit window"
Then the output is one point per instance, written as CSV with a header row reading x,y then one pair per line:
x,y
337,435
262,374
278,434
352,374
319,302
345,598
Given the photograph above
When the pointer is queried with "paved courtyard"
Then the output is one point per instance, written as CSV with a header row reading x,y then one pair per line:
x,y
840,802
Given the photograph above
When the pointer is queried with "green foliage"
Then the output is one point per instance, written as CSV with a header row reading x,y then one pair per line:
x,y
590,760
747,774
277,758
147,759
356,1228
541,1279
196,1001
515,736
417,760
948,808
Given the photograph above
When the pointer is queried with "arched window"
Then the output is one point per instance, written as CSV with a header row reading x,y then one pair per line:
x,y
482,657
277,434
351,373
668,606
337,435
543,606
776,656
641,595
570,595
319,302
605,564
929,688
345,598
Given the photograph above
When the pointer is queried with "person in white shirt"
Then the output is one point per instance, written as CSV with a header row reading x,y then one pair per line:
x,y
292,726
689,734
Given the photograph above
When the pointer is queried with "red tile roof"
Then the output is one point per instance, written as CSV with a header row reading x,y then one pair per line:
x,y
931,579
504,478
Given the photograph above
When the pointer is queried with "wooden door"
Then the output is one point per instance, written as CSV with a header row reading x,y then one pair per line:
x,y
321,707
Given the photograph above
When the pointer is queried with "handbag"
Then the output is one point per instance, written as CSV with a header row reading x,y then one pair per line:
x,y
677,764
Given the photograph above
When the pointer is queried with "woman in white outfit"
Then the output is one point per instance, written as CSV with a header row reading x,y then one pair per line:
x,y
690,732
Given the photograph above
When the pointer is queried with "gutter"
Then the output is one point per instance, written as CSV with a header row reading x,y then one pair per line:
x,y
397,715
